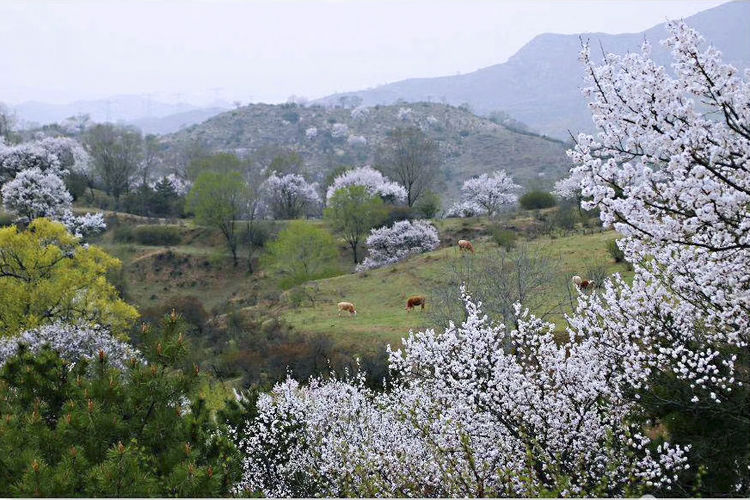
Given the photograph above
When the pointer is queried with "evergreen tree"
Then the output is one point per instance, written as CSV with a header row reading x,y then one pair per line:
x,y
69,427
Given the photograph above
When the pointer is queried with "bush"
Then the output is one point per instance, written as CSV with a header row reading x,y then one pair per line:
x,y
398,213
388,245
615,251
428,205
157,235
565,217
537,199
123,234
504,238
6,219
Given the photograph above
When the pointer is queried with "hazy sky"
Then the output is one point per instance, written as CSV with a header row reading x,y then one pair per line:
x,y
267,50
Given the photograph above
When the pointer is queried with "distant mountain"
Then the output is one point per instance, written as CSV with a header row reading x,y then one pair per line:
x,y
330,137
133,109
540,84
173,123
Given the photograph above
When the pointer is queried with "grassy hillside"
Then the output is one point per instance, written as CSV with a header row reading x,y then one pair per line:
x,y
469,144
380,295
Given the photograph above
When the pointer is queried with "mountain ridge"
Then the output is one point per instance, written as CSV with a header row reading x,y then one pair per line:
x,y
554,105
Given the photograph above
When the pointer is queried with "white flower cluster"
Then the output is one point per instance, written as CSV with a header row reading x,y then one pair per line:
x,y
670,170
356,140
289,196
311,132
569,188
360,112
72,343
375,182
34,193
34,187
404,114
388,245
474,411
489,192
464,209
339,130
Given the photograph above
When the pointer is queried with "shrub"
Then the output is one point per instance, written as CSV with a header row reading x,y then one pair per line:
x,y
565,217
428,205
157,235
301,252
537,199
615,251
123,234
504,238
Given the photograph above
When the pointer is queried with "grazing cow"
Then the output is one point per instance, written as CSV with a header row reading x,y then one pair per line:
x,y
465,245
582,284
347,306
415,300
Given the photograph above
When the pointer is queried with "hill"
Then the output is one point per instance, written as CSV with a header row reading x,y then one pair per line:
x,y
330,137
552,105
150,115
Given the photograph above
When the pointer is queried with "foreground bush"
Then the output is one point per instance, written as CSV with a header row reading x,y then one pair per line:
x,y
76,426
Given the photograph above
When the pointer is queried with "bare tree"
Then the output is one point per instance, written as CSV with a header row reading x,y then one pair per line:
x,y
412,159
499,278
7,122
116,153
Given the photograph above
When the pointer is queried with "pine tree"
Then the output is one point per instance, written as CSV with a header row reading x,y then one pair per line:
x,y
73,428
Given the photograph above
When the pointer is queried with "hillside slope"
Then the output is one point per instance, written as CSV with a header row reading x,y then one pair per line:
x,y
330,137
539,85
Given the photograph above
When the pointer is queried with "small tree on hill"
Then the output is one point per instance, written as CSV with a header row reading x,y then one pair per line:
x,y
491,192
290,196
412,159
219,200
116,153
301,252
352,212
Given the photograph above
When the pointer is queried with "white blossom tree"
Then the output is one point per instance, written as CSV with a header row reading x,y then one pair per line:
x,y
73,343
34,187
290,196
480,410
33,193
388,245
475,411
375,182
491,192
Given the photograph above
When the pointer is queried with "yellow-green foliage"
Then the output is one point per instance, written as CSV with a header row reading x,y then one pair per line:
x,y
47,275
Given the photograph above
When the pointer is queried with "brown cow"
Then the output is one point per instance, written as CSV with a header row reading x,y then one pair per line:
x,y
347,306
465,245
582,284
415,300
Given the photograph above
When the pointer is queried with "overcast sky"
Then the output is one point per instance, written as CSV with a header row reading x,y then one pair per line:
x,y
267,50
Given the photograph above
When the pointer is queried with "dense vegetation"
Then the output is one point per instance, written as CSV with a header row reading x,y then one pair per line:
x,y
586,342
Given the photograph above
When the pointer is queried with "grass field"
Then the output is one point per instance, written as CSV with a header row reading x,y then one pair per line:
x,y
380,295
200,266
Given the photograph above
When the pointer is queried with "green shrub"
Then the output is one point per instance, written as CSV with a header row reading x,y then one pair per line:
x,y
6,219
428,205
537,199
615,251
123,234
157,235
565,217
504,238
